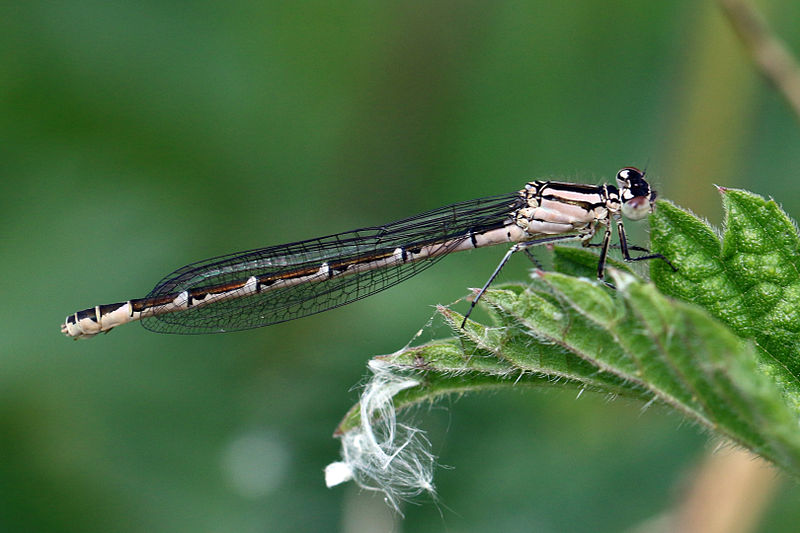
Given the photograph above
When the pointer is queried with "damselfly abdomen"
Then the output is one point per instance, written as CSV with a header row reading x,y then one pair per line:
x,y
279,283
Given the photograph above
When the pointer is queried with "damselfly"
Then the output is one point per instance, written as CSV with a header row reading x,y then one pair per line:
x,y
279,283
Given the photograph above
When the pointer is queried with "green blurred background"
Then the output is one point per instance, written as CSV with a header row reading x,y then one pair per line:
x,y
136,137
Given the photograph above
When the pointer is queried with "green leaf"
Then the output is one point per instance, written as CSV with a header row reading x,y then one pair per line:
x,y
486,358
750,279
716,341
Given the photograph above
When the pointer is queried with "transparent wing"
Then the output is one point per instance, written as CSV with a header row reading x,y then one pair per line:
x,y
446,226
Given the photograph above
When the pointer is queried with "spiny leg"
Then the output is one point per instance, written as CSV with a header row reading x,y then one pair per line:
x,y
618,247
625,248
517,247
623,244
601,263
533,259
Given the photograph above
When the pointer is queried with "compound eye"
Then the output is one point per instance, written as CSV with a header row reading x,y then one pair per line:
x,y
627,175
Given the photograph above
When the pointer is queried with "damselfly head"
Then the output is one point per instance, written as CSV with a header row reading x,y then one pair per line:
x,y
636,195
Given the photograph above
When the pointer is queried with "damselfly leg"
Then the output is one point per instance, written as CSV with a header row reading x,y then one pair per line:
x,y
601,263
511,251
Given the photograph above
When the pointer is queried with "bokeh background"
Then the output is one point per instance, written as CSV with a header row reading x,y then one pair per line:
x,y
136,137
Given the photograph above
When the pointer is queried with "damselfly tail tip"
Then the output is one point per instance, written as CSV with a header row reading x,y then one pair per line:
x,y
98,319
72,329
82,327
721,189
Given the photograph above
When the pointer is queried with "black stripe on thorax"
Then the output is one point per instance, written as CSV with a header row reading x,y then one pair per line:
x,y
573,187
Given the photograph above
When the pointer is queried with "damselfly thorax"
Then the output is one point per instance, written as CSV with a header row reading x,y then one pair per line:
x,y
279,283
